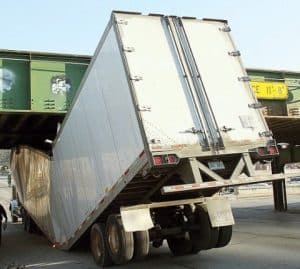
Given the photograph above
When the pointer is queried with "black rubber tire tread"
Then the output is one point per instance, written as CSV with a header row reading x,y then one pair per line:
x,y
180,246
141,244
14,219
104,259
29,224
25,221
33,228
225,234
207,237
126,250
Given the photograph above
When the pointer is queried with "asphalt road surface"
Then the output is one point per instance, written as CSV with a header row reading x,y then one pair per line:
x,y
261,239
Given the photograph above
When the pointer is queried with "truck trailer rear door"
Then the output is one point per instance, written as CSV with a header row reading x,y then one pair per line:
x,y
225,81
162,93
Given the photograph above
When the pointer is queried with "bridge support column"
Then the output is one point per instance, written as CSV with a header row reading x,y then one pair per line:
x,y
279,195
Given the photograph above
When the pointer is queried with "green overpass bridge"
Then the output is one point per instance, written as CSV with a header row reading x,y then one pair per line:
x,y
36,91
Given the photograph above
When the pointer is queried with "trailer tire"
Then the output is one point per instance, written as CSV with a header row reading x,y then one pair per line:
x,y
141,244
180,246
24,220
98,245
120,243
28,224
14,219
206,237
225,234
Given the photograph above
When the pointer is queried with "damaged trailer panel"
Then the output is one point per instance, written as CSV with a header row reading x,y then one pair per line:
x,y
159,106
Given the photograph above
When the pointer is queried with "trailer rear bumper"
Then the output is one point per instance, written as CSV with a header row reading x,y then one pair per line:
x,y
197,175
221,183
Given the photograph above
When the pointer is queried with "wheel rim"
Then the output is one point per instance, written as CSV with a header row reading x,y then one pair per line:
x,y
113,239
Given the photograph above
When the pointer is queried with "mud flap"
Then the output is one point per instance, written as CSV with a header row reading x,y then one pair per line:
x,y
220,213
136,219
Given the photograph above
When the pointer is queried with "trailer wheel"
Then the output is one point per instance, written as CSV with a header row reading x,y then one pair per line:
x,y
225,234
141,244
98,245
120,243
28,224
14,219
24,220
206,237
180,246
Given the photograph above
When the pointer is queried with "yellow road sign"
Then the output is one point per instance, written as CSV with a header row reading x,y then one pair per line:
x,y
270,90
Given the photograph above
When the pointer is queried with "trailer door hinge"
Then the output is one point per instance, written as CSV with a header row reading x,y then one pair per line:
x,y
266,133
144,108
225,29
255,105
193,130
234,53
136,78
121,21
226,129
128,49
244,79
155,141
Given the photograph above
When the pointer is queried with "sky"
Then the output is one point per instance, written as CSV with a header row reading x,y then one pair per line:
x,y
267,32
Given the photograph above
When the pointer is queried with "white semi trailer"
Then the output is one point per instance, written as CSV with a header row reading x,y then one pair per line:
x,y
164,119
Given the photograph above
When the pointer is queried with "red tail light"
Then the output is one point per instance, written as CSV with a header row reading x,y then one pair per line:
x,y
157,160
165,159
270,149
172,159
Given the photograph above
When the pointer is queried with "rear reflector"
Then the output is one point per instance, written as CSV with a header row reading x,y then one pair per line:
x,y
157,160
267,151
